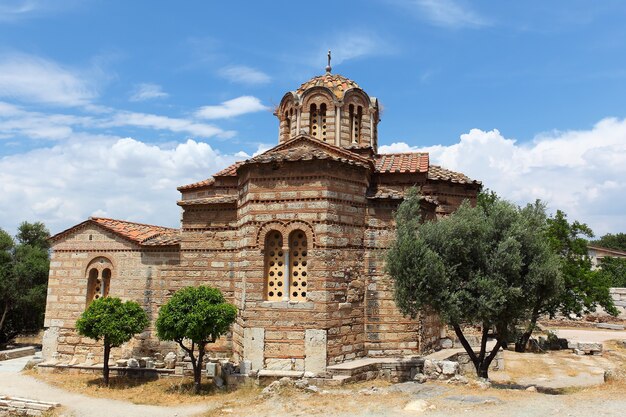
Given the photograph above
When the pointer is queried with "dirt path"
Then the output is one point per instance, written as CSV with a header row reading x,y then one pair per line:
x,y
14,384
374,398
591,335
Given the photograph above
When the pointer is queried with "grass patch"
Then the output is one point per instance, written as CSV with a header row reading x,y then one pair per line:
x,y
169,391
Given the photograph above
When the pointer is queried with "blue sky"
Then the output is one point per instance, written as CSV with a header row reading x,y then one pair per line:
x,y
107,106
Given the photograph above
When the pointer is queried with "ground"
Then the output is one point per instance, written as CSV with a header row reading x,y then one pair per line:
x,y
81,395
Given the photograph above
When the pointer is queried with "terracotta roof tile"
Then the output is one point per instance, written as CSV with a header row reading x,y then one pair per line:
x,y
336,83
385,193
199,184
136,232
229,171
216,199
300,149
437,173
402,162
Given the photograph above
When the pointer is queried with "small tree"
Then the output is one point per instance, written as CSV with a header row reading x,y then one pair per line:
x,y
193,317
584,289
474,267
113,321
24,269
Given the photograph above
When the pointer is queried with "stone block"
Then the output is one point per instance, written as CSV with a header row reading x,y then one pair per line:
x,y
254,346
50,342
133,363
315,350
449,368
446,343
245,366
211,369
610,326
170,360
590,347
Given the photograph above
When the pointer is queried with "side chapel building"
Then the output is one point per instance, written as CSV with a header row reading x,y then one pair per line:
x,y
294,237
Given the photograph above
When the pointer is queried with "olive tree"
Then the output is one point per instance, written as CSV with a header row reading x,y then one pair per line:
x,y
114,321
193,317
478,266
584,289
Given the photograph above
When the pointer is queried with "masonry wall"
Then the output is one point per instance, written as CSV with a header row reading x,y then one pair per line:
x,y
327,202
136,275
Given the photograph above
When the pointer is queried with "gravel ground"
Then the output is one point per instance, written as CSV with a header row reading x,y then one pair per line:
x,y
15,384
376,398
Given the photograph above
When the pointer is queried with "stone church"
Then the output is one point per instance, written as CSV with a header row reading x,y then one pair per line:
x,y
295,238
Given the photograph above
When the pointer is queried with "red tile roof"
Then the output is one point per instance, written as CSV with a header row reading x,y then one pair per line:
x,y
336,83
137,232
436,172
199,184
402,162
140,233
229,171
305,147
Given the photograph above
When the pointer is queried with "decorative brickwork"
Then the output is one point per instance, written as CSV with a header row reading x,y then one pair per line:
x,y
295,237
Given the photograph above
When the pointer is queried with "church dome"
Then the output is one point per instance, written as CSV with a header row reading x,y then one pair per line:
x,y
331,108
337,84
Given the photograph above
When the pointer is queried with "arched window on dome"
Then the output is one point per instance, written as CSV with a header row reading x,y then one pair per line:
x,y
356,115
288,115
317,128
274,266
298,256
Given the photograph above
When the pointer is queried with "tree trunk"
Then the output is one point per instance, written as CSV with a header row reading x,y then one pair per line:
x,y
481,363
105,367
522,342
197,370
4,315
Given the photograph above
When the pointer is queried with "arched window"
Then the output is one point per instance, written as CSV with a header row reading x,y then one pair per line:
x,y
274,267
317,128
288,126
314,126
298,254
356,114
98,279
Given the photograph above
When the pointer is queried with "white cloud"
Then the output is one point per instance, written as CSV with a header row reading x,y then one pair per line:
x,y
152,121
34,79
16,122
231,108
580,172
244,75
13,10
117,177
147,91
447,13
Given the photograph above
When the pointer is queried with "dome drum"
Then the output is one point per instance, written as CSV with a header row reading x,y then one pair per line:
x,y
332,109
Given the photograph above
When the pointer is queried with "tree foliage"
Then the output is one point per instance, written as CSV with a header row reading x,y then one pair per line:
x,y
615,241
113,321
585,288
24,265
193,317
613,270
479,266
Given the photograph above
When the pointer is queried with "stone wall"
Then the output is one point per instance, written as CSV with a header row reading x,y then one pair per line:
x,y
328,205
619,298
136,275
